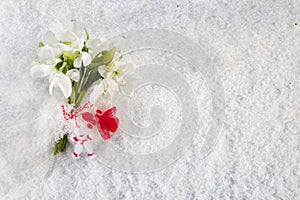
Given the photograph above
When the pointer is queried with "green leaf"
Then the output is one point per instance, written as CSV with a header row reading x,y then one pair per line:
x,y
87,34
55,149
41,44
73,95
69,64
58,65
61,144
69,55
106,58
79,98
77,53
66,42
64,69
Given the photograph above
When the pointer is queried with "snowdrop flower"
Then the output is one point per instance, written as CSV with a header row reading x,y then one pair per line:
x,y
60,53
113,75
83,59
93,43
70,39
51,40
64,83
72,36
120,71
74,74
56,78
104,89
116,71
40,70
49,55
94,46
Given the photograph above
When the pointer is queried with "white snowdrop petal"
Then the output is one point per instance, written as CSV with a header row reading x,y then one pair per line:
x,y
67,36
77,62
40,70
50,37
112,86
57,60
86,58
96,92
101,70
56,52
64,84
73,74
51,86
62,47
45,53
78,43
77,29
93,43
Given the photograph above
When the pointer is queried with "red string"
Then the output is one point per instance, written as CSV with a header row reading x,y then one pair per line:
x,y
74,115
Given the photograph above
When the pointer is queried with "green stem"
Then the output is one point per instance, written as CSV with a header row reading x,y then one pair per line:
x,y
79,98
60,146
79,89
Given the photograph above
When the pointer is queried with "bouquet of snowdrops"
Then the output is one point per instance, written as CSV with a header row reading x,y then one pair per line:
x,y
79,66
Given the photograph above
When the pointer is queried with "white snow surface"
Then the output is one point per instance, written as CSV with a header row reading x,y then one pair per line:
x,y
257,155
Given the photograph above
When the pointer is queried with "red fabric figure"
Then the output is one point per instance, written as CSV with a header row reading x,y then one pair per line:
x,y
106,122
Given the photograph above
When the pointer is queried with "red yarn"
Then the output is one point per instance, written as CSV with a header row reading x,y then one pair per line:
x,y
105,121
74,115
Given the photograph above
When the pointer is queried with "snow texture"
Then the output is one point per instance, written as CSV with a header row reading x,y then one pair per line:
x,y
256,46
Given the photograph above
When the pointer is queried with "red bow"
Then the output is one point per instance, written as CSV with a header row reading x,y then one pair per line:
x,y
106,122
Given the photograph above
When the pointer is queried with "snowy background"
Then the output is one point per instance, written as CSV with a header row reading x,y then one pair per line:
x,y
257,156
